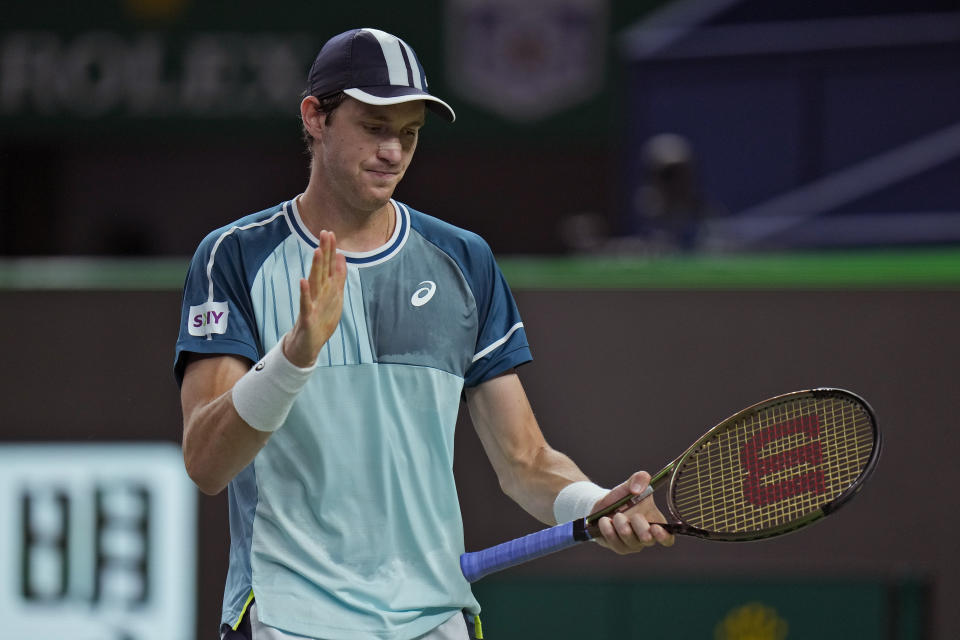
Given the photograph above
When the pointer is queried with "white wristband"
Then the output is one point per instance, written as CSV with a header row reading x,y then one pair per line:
x,y
576,500
265,394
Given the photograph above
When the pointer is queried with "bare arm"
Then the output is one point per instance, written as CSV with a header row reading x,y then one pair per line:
x,y
529,470
217,442
532,473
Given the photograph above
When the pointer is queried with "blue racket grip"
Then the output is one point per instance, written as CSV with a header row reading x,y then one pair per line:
x,y
478,564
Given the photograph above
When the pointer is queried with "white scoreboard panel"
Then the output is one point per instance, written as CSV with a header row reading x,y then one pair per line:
x,y
97,542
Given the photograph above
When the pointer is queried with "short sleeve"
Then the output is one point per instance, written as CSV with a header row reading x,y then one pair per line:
x,y
501,338
217,315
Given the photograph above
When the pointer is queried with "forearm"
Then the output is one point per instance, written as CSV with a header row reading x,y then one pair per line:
x,y
534,485
230,410
218,444
530,471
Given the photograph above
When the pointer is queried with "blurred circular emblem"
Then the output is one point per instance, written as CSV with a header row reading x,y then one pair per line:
x,y
526,60
753,621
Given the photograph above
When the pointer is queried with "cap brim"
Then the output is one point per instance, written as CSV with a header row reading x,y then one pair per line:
x,y
397,95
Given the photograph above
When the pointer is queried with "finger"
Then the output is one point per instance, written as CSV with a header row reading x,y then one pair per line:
x,y
611,539
340,269
327,244
623,536
304,296
331,254
635,531
324,264
316,267
652,515
638,482
662,536
635,485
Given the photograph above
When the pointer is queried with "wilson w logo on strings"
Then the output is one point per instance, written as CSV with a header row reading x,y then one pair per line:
x,y
774,472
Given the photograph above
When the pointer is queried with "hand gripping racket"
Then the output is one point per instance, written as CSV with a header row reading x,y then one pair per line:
x,y
770,469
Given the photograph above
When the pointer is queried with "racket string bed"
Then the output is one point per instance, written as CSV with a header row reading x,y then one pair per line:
x,y
728,472
803,453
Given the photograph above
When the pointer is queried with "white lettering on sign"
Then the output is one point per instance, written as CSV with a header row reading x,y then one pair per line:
x,y
99,73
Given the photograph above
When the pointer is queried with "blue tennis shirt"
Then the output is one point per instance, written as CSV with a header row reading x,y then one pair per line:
x,y
347,523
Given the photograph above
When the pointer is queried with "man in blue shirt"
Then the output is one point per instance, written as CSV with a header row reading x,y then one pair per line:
x,y
367,321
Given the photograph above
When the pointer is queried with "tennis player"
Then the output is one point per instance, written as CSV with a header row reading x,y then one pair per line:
x,y
324,346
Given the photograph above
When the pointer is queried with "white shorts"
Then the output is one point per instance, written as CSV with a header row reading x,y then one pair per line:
x,y
453,629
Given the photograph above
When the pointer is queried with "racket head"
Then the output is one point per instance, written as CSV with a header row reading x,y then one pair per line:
x,y
775,467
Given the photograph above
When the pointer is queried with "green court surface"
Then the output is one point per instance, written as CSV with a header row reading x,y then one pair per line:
x,y
871,269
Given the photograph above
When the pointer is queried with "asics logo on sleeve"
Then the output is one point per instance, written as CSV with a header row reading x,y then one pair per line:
x,y
423,294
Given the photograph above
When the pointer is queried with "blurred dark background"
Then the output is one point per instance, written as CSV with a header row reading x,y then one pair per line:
x,y
133,127
645,133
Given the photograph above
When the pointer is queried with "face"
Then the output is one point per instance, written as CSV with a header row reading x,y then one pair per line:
x,y
364,151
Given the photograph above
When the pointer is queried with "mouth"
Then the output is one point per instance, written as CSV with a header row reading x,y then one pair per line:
x,y
383,174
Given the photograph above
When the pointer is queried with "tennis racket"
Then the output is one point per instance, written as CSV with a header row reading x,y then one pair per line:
x,y
773,468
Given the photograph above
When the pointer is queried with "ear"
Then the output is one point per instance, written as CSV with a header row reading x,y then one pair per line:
x,y
313,119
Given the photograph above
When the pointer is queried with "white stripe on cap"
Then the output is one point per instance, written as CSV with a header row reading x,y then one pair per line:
x,y
396,67
414,66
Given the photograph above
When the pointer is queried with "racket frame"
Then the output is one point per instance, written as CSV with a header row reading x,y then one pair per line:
x,y
669,472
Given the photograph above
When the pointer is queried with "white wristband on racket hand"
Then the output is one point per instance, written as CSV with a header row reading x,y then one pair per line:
x,y
576,500
265,394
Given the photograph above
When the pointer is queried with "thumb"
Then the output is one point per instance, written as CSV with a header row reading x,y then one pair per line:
x,y
635,484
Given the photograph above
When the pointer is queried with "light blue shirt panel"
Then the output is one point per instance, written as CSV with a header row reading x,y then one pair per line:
x,y
276,300
343,465
275,293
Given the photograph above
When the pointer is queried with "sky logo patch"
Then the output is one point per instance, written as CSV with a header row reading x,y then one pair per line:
x,y
208,318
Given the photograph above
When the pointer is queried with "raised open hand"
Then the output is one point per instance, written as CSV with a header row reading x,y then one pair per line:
x,y
321,303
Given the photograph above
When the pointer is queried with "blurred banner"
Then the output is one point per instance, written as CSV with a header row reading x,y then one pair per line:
x,y
98,542
134,127
148,74
117,65
189,65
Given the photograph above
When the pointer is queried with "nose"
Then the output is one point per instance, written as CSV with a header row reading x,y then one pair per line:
x,y
390,152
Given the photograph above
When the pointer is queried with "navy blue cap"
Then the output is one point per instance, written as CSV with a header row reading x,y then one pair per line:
x,y
374,67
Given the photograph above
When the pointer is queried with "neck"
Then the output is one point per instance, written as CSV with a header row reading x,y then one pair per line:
x,y
356,230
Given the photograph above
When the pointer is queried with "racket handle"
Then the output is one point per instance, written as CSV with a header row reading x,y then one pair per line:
x,y
478,564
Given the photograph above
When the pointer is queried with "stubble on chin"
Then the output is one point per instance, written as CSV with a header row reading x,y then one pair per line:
x,y
378,196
